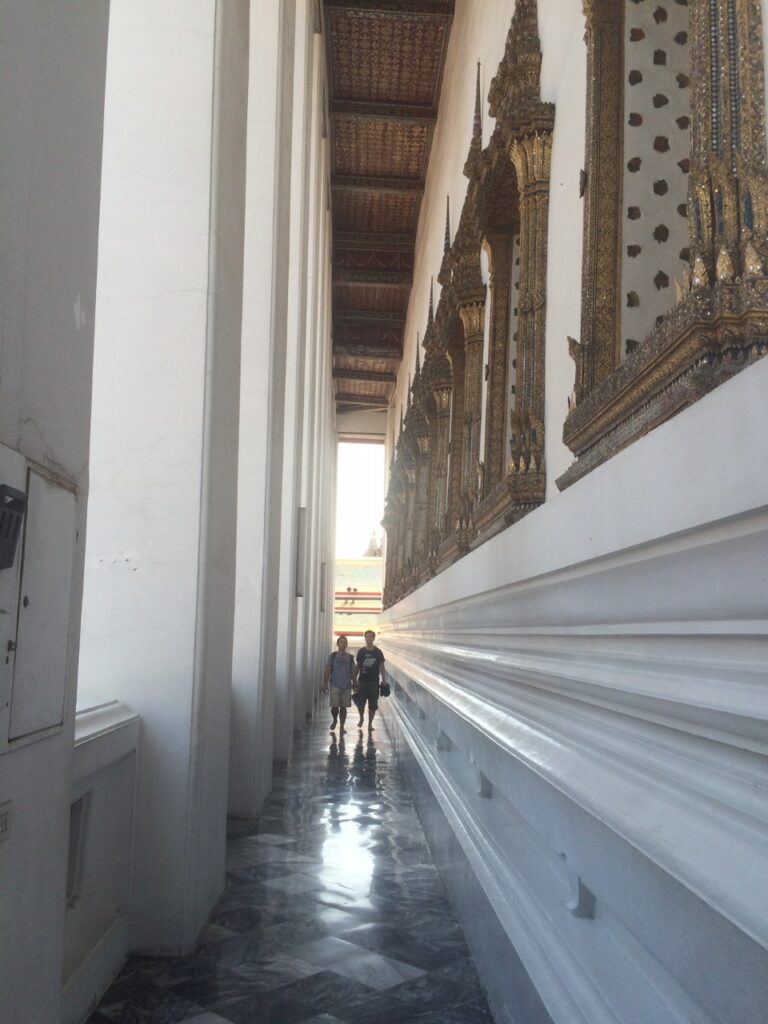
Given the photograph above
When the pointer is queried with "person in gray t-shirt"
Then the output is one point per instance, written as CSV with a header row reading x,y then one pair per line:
x,y
341,670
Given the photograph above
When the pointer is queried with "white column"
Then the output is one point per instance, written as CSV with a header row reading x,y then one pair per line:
x,y
159,594
288,670
263,379
52,70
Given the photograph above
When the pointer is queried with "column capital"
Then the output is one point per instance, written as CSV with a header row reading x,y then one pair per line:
x,y
472,318
531,155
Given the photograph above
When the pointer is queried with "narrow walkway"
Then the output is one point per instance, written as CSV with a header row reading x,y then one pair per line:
x,y
333,912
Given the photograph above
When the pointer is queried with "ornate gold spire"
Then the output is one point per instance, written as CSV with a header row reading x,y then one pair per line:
x,y
518,76
477,125
476,145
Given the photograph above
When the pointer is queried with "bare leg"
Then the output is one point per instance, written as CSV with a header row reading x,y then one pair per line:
x,y
342,718
334,716
371,713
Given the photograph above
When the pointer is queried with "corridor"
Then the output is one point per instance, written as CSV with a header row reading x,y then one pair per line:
x,y
333,911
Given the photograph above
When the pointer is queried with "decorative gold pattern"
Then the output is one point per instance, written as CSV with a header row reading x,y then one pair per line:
x,y
601,286
459,494
385,67
386,58
721,320
369,146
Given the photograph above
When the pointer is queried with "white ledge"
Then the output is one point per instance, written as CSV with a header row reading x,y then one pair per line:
x,y
104,734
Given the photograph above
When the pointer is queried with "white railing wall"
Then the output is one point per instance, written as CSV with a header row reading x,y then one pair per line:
x,y
96,925
586,698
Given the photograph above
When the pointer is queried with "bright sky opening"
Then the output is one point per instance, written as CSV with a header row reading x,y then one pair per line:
x,y
359,497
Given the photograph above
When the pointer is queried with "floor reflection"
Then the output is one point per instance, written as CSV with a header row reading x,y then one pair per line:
x,y
333,911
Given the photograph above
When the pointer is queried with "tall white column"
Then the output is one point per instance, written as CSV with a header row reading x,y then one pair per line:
x,y
52,71
159,596
263,381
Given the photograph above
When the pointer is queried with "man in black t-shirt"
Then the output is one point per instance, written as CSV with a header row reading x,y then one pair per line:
x,y
370,665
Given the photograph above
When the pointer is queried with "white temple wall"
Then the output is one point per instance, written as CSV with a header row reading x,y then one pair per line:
x,y
584,694
52,73
580,702
159,595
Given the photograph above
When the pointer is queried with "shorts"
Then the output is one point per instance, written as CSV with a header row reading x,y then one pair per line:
x,y
341,698
369,691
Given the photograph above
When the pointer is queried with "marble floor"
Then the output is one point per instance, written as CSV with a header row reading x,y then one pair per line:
x,y
333,911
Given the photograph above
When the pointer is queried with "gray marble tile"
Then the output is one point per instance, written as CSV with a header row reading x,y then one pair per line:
x,y
326,951
272,838
206,1018
323,1018
292,883
376,971
334,912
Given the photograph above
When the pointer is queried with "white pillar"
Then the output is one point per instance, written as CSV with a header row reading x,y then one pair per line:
x,y
159,597
263,376
52,70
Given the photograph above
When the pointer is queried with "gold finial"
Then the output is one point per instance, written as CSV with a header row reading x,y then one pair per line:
x,y
724,266
700,276
753,264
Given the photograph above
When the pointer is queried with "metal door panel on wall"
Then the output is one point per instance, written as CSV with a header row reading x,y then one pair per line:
x,y
39,677
13,472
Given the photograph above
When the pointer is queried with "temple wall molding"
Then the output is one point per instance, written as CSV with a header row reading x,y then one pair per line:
x,y
597,759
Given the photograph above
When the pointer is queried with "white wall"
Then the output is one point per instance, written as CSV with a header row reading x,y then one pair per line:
x,y
581,705
362,423
159,595
52,66
602,664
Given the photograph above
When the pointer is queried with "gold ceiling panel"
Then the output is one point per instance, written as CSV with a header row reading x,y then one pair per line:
x,y
376,56
377,147
375,210
385,70
383,298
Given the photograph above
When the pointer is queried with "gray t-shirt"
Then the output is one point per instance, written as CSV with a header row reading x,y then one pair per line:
x,y
341,669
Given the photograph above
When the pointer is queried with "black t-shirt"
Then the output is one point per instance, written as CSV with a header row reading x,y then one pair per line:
x,y
369,663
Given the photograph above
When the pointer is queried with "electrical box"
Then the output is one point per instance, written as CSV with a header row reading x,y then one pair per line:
x,y
12,505
35,597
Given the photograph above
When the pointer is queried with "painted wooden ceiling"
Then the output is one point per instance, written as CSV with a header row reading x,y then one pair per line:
x,y
385,69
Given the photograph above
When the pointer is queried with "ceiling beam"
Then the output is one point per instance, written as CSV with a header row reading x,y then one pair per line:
x,y
376,184
368,352
369,317
369,400
372,375
374,240
405,113
382,278
442,9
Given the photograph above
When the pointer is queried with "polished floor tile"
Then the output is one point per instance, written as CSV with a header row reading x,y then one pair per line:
x,y
333,913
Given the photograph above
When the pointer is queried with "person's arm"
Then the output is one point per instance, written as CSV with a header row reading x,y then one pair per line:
x,y
382,673
353,673
326,677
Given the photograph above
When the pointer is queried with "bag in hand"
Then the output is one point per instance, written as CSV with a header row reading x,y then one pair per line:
x,y
384,690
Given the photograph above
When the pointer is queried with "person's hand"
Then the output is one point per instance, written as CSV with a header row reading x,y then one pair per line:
x,y
324,688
